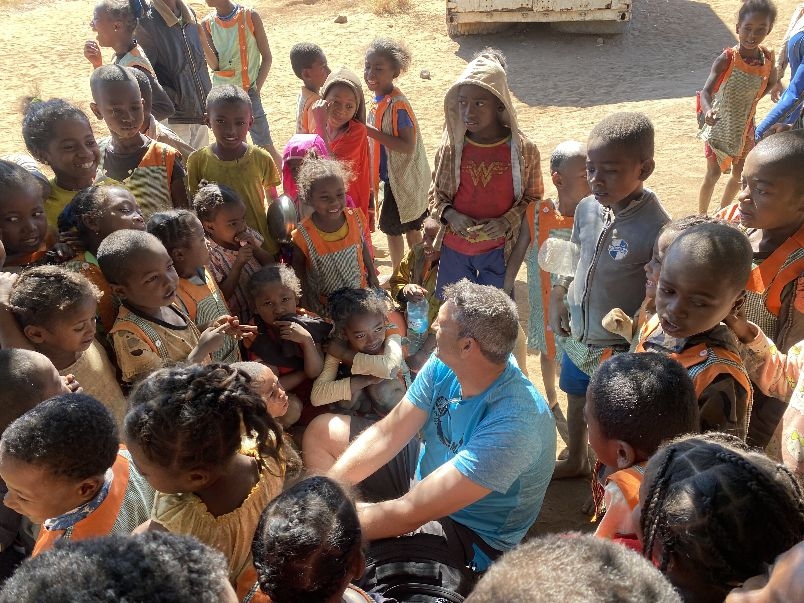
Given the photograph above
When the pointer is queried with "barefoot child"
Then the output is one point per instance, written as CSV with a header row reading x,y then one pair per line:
x,y
150,331
364,359
58,134
330,250
289,338
234,247
114,21
340,119
740,77
396,148
182,234
614,229
64,468
55,311
184,433
309,65
771,210
546,220
152,171
245,168
703,281
481,207
95,213
635,402
705,520
238,54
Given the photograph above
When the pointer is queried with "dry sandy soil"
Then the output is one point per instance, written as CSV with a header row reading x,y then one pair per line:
x,y
562,84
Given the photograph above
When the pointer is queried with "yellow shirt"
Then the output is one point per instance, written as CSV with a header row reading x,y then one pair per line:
x,y
57,201
251,177
98,378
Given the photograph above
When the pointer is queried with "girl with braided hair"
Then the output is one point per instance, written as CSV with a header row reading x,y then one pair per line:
x,y
713,514
205,441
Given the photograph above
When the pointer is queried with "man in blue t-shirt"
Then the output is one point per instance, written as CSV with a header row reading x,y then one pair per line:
x,y
478,470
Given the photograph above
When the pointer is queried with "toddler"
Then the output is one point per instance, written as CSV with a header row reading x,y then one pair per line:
x,y
634,403
330,250
705,519
152,171
234,247
299,147
365,354
740,77
702,281
95,213
238,53
245,168
143,567
114,21
55,311
414,280
310,66
340,119
548,220
614,229
64,468
307,546
486,173
399,159
59,135
184,432
769,209
182,234
288,337
150,331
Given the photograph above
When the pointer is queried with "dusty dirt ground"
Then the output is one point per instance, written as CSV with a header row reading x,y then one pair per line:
x,y
562,84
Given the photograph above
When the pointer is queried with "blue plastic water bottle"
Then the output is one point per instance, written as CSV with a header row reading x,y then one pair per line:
x,y
417,316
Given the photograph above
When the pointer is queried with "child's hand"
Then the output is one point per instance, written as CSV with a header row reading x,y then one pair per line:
x,y
293,331
244,255
559,313
246,238
496,228
738,323
320,113
72,385
459,222
235,329
92,53
72,239
776,91
60,253
414,292
711,117
7,280
619,323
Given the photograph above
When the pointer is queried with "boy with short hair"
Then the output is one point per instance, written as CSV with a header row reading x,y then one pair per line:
x,y
486,173
614,229
770,208
152,128
247,169
701,283
634,403
151,170
549,220
310,66
238,53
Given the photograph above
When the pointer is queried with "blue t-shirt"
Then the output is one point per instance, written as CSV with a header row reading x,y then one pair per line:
x,y
403,121
503,439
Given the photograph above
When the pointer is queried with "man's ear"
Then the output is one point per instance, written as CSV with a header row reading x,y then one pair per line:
x,y
34,333
557,179
95,111
647,169
465,345
626,455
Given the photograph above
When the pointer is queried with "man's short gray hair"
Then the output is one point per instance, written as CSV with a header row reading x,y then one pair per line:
x,y
487,315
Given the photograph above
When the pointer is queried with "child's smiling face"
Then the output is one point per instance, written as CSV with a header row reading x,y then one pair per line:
x,y
72,152
753,29
23,224
103,25
328,198
341,104
118,212
366,333
379,73
230,122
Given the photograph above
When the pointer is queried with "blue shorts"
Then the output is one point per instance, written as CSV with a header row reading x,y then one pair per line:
x,y
484,268
260,131
572,381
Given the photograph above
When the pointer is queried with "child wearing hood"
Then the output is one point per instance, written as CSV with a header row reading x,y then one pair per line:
x,y
486,173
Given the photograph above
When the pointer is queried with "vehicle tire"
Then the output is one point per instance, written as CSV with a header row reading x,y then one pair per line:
x,y
475,29
601,28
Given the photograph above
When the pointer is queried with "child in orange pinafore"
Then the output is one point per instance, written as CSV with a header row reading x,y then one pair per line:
x,y
740,77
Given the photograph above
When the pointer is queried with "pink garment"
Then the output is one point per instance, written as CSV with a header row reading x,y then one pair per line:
x,y
298,147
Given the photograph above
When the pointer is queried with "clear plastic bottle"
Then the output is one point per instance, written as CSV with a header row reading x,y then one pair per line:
x,y
559,257
417,312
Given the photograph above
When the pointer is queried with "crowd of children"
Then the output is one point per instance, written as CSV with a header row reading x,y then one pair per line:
x,y
164,344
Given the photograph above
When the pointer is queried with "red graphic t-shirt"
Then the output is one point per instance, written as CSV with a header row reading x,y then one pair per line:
x,y
486,191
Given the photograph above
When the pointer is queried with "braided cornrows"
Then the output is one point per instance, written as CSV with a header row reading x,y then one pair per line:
x,y
174,228
725,510
306,541
189,417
